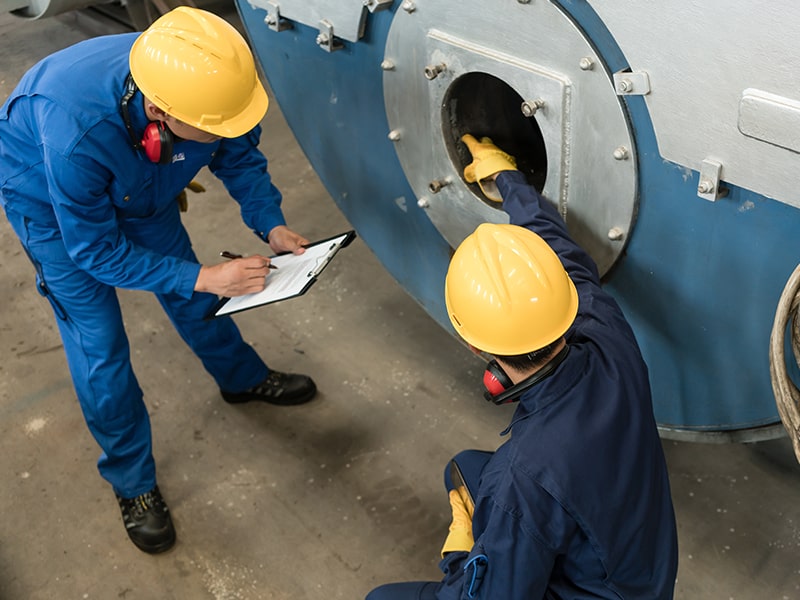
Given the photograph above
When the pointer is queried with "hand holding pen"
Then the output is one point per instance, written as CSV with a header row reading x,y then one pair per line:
x,y
233,256
246,275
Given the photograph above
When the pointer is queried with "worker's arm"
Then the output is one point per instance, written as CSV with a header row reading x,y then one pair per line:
x,y
511,558
242,168
527,208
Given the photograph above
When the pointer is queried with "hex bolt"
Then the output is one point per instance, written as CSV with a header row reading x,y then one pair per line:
x,y
387,65
436,185
432,71
616,234
423,203
271,20
625,85
621,153
705,186
323,39
586,63
394,135
529,107
409,6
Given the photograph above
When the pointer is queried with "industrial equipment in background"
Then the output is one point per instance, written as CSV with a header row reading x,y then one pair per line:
x,y
671,155
670,152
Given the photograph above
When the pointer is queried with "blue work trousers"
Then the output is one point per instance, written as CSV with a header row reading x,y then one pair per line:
x,y
96,345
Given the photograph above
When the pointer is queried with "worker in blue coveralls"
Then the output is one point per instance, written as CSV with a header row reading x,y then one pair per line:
x,y
96,143
576,504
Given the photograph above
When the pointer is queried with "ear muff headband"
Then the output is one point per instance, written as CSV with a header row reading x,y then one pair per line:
x,y
500,390
157,140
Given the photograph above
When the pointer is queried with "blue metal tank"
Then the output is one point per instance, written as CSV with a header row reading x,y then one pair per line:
x,y
671,154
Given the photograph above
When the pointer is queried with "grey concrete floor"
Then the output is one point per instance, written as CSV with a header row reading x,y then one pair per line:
x,y
321,501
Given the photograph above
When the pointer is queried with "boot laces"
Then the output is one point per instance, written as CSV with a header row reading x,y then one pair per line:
x,y
143,503
271,386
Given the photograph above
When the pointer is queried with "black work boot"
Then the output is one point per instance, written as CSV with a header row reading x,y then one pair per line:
x,y
148,522
283,389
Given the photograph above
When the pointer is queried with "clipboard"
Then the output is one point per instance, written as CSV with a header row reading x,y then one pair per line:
x,y
457,478
295,274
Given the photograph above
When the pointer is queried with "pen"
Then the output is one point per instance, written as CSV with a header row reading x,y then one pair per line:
x,y
231,255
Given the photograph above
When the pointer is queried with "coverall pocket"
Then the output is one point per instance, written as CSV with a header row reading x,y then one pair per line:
x,y
474,573
40,245
133,200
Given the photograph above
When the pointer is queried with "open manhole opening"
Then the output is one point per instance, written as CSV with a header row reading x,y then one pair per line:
x,y
484,105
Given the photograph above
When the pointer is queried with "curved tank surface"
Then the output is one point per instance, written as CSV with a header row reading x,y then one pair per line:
x,y
669,151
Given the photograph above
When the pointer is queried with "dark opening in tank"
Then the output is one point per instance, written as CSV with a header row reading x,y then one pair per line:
x,y
483,105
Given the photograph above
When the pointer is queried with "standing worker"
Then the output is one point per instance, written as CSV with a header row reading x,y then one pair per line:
x,y
576,504
96,144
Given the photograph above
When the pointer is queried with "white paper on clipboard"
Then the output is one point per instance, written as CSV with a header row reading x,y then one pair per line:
x,y
294,275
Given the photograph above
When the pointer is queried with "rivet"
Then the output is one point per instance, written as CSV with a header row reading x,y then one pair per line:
x,y
615,233
436,185
432,71
705,186
621,153
529,107
625,85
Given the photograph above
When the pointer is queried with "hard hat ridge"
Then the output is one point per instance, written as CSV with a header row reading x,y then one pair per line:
x,y
507,292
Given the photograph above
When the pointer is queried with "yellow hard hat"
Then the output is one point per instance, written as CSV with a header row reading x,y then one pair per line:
x,y
196,67
507,292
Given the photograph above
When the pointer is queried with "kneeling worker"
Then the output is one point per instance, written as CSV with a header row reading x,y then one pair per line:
x,y
576,504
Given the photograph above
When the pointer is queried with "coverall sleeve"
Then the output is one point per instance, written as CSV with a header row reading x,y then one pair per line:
x,y
514,555
242,168
527,208
88,223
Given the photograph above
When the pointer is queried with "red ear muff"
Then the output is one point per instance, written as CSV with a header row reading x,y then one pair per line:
x,y
495,380
501,390
157,142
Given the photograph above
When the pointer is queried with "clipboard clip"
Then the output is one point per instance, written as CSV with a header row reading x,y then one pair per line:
x,y
322,262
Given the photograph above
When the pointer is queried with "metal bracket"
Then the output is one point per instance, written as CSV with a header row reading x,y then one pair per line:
x,y
632,83
326,40
708,186
273,18
377,5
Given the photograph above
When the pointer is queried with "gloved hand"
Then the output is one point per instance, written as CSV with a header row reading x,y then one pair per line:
x,y
460,536
182,200
487,160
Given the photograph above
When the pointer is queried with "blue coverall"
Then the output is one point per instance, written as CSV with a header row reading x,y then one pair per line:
x,y
95,214
576,504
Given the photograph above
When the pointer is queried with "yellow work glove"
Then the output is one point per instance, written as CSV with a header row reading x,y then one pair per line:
x,y
487,159
182,200
460,536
